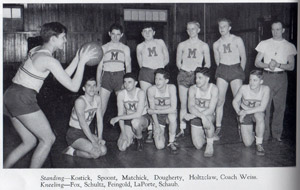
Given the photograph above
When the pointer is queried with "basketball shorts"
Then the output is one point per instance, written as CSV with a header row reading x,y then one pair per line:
x,y
112,81
162,119
185,78
249,119
230,72
74,134
146,75
197,122
146,116
19,100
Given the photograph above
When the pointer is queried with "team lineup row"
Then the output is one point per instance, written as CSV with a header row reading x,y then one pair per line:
x,y
202,99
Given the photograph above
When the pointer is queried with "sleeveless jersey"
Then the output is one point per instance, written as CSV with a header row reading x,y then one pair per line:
x,y
89,112
251,99
28,76
114,58
152,54
131,104
229,52
162,100
203,98
192,56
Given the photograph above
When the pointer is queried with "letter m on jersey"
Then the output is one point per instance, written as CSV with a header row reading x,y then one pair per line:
x,y
152,52
227,48
192,53
114,55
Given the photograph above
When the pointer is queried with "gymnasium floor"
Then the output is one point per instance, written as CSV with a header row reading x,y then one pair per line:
x,y
228,152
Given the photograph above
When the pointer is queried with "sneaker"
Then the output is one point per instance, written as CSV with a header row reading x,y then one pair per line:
x,y
216,134
139,145
260,150
69,151
149,137
209,150
180,134
172,147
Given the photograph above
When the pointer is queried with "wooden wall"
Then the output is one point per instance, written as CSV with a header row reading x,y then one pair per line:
x,y
90,22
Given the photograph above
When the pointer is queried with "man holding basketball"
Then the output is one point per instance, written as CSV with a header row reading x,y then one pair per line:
x,y
230,57
82,142
116,61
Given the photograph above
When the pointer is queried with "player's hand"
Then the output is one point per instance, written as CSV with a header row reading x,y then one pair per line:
x,y
114,120
272,64
188,116
86,54
101,141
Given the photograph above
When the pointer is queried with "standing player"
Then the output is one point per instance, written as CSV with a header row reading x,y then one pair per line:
x,y
203,97
163,108
115,62
82,142
132,113
250,104
230,57
151,55
190,55
20,102
278,56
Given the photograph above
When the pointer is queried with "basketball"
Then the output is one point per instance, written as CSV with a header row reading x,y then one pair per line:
x,y
91,46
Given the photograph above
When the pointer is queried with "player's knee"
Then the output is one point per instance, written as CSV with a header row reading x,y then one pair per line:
x,y
30,142
48,140
135,123
100,151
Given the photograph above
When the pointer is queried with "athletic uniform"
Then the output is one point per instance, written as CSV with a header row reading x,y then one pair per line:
x,y
113,66
277,81
250,100
75,131
162,101
201,103
20,97
153,58
131,104
229,68
192,57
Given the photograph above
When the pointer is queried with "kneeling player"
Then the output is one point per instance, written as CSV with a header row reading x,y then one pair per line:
x,y
163,103
202,101
250,104
82,142
132,113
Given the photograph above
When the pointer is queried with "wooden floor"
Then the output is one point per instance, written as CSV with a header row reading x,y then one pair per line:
x,y
229,151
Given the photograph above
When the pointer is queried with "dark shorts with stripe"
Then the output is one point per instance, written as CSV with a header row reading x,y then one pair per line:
x,y
185,78
230,72
197,122
146,116
112,81
249,119
74,134
147,75
162,119
19,100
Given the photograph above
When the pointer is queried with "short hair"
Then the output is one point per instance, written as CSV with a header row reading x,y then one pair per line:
x,y
130,75
148,25
258,73
195,23
162,71
89,79
277,21
203,70
52,29
116,26
225,20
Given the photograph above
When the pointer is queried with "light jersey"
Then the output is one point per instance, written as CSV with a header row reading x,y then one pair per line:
x,y
203,98
152,54
89,113
162,100
131,104
277,50
228,50
192,55
27,75
114,57
251,99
